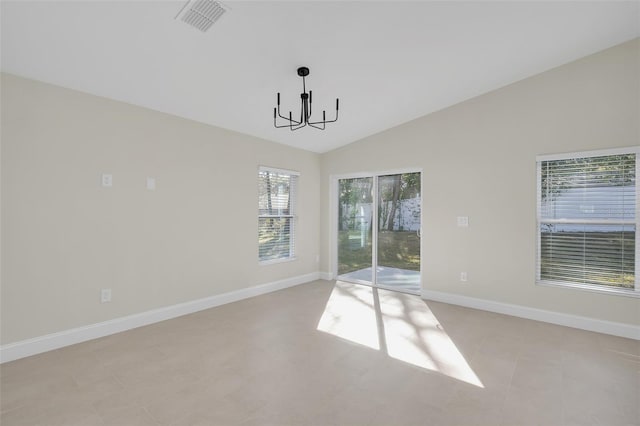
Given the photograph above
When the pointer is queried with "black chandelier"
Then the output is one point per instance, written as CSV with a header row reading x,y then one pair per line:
x,y
305,109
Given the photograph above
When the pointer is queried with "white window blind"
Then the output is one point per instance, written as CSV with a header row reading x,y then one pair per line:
x,y
276,214
587,220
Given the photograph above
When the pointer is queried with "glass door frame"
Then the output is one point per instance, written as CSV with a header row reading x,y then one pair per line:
x,y
333,222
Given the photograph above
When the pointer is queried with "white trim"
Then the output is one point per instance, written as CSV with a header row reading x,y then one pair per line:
x,y
332,249
538,216
584,323
278,260
275,170
595,153
613,291
327,276
25,348
363,174
636,284
375,230
422,240
589,221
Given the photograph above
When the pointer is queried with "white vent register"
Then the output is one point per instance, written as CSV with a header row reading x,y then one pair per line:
x,y
201,14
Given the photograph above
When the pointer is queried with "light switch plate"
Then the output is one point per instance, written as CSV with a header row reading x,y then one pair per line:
x,y
107,180
151,183
463,221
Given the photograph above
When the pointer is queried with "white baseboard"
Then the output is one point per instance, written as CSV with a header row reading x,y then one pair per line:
x,y
24,348
327,276
591,324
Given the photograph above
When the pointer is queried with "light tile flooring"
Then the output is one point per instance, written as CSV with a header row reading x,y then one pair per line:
x,y
325,354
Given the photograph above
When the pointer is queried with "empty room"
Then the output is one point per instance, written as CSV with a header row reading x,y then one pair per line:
x,y
319,213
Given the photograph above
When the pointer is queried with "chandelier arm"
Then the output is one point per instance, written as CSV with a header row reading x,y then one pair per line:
x,y
275,123
324,121
280,127
283,117
286,118
317,127
287,124
293,121
280,115
296,127
289,119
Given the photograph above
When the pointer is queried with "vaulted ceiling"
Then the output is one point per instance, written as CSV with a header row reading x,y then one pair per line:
x,y
388,62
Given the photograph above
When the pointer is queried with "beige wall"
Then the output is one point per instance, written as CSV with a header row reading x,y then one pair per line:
x,y
479,160
64,237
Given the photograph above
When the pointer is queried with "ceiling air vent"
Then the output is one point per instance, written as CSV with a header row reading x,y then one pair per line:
x,y
201,14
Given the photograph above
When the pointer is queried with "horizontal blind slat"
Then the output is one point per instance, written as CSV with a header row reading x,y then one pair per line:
x,y
587,220
276,213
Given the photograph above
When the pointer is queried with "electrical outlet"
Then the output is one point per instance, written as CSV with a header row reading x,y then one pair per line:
x,y
463,277
151,184
105,295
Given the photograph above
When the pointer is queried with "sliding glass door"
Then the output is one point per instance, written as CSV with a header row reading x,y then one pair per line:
x,y
355,225
398,248
390,256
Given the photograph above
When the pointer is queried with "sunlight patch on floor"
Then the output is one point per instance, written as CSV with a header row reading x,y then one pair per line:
x,y
399,324
350,314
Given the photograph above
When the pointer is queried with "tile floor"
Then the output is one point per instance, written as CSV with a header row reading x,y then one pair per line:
x,y
331,354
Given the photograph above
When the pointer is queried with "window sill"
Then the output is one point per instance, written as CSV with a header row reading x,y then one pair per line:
x,y
274,261
592,288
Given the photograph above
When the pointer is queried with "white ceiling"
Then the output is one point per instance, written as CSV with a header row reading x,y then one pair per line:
x,y
388,62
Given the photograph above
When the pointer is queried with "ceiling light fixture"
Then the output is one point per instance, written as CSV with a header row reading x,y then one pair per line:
x,y
305,109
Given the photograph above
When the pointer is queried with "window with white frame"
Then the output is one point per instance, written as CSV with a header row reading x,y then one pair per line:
x,y
276,214
587,220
